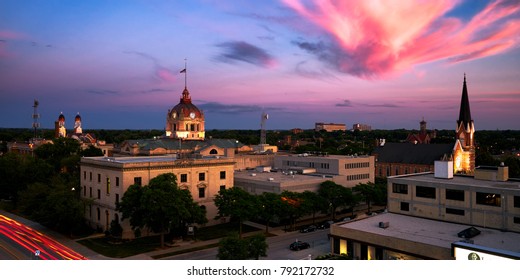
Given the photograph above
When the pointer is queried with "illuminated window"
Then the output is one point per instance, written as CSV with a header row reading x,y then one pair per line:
x,y
108,186
490,199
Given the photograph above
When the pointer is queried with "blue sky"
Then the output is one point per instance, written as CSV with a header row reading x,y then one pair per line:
x,y
383,63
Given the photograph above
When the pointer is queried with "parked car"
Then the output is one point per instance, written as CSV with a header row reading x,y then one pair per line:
x,y
299,245
325,224
310,228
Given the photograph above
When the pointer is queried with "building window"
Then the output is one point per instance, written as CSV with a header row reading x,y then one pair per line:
x,y
490,199
108,186
405,206
90,191
99,178
98,214
396,170
90,175
516,202
202,192
117,199
99,194
453,211
455,194
202,176
84,175
117,181
184,178
388,171
223,187
222,174
138,181
84,191
516,220
399,188
426,192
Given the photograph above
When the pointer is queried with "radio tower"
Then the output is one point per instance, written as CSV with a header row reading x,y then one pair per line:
x,y
36,116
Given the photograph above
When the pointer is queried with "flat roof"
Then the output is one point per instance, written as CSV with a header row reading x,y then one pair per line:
x,y
279,176
325,156
458,180
146,159
433,232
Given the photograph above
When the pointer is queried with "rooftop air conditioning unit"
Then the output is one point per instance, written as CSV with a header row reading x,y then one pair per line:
x,y
253,174
384,224
271,179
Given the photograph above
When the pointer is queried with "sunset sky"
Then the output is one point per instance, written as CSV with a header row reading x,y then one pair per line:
x,y
387,64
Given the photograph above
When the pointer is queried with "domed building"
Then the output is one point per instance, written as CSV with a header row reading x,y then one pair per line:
x,y
59,127
185,121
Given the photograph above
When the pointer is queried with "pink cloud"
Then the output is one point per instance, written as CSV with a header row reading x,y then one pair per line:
x,y
375,38
165,74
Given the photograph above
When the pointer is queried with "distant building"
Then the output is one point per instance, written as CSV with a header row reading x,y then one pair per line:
x,y
104,180
330,127
406,158
361,127
351,169
296,130
423,137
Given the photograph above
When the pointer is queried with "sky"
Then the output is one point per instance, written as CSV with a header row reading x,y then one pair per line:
x,y
388,64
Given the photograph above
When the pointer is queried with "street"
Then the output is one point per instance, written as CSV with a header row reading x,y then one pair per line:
x,y
18,241
278,247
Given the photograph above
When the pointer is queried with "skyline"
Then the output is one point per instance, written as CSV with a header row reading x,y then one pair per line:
x,y
388,64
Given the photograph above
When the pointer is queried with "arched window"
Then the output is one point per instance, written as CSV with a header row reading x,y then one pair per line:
x,y
213,152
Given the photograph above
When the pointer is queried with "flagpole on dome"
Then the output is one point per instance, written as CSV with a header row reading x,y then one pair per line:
x,y
185,74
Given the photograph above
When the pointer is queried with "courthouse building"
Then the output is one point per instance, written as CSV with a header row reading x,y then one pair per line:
x,y
104,180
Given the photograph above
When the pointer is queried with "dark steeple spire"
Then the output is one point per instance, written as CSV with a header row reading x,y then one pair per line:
x,y
464,114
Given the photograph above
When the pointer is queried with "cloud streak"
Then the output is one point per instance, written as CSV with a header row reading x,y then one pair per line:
x,y
160,72
375,39
244,52
216,107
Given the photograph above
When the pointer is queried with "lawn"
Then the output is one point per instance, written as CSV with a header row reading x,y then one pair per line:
x,y
147,244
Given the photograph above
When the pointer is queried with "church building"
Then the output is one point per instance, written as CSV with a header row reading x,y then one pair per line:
x,y
464,150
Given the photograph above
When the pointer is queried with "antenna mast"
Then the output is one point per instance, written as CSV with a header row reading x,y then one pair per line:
x,y
262,128
35,116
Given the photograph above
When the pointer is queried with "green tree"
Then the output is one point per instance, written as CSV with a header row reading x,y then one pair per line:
x,y
92,151
237,204
257,246
236,248
160,206
291,207
312,203
336,196
368,193
271,205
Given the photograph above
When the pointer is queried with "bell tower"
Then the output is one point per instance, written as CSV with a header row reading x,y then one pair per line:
x,y
464,151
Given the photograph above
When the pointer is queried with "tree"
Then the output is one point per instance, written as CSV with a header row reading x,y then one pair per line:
x,y
92,151
160,206
237,204
236,248
368,192
336,196
312,203
271,204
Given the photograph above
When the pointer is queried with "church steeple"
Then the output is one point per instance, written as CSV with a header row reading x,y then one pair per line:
x,y
464,151
464,113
